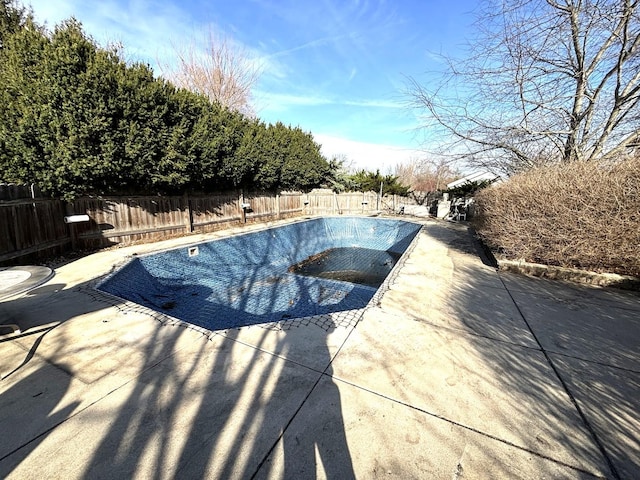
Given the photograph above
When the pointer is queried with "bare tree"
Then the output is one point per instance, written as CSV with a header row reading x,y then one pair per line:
x,y
545,81
219,69
425,177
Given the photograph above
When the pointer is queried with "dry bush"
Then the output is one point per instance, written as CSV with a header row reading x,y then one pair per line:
x,y
582,215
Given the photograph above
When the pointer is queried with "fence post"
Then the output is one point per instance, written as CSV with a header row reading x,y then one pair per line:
x,y
16,228
240,203
187,214
278,205
73,232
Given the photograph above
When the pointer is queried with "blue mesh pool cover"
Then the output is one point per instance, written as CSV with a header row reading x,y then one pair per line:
x,y
245,279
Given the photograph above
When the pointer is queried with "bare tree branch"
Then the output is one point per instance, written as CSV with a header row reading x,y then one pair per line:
x,y
544,81
217,68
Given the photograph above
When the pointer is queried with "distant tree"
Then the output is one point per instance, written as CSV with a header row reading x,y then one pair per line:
x,y
218,68
545,80
425,177
366,181
340,179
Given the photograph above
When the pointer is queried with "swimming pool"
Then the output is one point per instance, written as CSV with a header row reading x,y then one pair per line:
x,y
304,269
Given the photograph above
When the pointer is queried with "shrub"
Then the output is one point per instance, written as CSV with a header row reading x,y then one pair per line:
x,y
77,119
583,215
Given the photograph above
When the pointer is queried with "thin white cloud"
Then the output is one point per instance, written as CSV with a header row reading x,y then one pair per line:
x,y
140,26
311,44
52,12
282,101
373,103
368,156
270,66
279,102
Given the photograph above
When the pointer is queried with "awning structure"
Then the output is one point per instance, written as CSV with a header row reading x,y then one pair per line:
x,y
474,177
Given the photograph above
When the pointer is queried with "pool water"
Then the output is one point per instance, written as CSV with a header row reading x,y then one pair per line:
x,y
364,266
303,269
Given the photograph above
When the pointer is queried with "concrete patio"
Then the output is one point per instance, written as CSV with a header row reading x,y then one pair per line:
x,y
458,372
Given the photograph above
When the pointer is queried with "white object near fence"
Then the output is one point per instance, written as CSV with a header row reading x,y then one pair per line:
x,y
76,218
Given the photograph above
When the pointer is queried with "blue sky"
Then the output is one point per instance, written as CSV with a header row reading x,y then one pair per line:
x,y
335,68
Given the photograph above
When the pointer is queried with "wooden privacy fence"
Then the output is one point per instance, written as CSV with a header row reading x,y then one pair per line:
x,y
125,220
32,226
325,202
